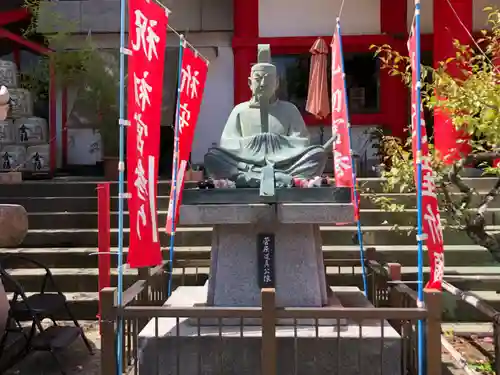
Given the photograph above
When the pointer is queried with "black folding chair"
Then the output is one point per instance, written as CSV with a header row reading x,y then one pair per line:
x,y
36,308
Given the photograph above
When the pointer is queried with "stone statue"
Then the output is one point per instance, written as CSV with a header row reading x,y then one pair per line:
x,y
265,139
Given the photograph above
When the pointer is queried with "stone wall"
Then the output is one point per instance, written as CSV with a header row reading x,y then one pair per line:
x,y
103,16
207,24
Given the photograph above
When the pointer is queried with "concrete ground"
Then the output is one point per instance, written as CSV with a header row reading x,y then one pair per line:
x,y
449,367
76,360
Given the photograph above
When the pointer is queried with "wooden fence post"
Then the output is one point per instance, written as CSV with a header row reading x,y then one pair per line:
x,y
394,271
394,298
371,292
144,296
433,302
108,324
268,355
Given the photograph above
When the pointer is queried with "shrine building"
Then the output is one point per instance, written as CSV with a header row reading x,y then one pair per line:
x,y
375,98
227,32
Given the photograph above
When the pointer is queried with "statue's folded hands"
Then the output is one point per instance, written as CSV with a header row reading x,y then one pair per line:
x,y
270,143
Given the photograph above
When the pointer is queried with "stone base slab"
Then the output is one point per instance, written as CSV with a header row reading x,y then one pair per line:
x,y
181,348
197,294
286,213
252,195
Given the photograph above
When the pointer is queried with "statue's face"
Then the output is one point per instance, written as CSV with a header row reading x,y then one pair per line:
x,y
263,84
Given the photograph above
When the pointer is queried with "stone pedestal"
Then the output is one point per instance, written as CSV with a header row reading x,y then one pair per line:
x,y
233,346
173,346
299,272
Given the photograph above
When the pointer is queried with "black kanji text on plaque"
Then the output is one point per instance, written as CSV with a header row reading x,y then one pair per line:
x,y
265,258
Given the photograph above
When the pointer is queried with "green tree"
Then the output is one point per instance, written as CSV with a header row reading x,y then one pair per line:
x,y
471,98
85,68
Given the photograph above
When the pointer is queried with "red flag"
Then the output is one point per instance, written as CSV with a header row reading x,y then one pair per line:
x,y
342,158
148,30
430,211
193,77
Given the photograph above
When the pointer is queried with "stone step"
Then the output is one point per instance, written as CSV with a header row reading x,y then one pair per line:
x,y
46,204
466,327
459,317
477,183
458,311
78,187
83,280
88,204
86,279
409,200
58,204
456,255
88,220
68,188
84,304
201,236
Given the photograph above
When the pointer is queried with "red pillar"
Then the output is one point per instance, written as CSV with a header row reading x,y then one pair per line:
x,y
64,116
246,33
393,92
447,27
53,118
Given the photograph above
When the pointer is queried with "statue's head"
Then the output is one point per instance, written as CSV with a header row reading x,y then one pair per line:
x,y
263,80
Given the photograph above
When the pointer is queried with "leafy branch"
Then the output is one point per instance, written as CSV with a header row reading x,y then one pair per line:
x,y
466,87
84,68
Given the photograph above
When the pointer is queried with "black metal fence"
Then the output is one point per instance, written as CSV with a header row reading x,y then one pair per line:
x,y
269,340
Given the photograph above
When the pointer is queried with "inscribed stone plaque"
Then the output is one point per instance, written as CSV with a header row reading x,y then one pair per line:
x,y
265,254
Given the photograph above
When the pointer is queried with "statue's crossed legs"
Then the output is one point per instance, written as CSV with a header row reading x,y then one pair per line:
x,y
221,164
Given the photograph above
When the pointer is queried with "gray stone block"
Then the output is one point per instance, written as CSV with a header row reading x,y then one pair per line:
x,y
314,213
186,14
101,16
225,214
299,269
286,213
318,195
217,15
65,16
174,346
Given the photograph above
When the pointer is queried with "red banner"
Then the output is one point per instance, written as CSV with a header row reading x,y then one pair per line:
x,y
192,85
342,160
431,223
148,30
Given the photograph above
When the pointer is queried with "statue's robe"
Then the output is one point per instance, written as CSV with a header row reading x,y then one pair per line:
x,y
295,156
